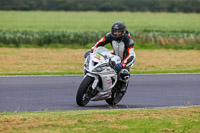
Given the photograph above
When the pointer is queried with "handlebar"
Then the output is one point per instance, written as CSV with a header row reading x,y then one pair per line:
x,y
112,64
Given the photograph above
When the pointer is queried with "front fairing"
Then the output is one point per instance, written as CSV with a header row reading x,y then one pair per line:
x,y
99,64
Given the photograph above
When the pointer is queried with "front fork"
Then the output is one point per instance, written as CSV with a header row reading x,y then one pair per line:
x,y
96,80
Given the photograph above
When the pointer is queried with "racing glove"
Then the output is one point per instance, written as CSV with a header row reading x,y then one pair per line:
x,y
87,53
119,66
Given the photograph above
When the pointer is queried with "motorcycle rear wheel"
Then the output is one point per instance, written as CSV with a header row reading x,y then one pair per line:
x,y
83,95
117,96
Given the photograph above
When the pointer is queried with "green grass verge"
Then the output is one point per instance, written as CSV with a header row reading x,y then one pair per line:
x,y
64,61
133,120
81,73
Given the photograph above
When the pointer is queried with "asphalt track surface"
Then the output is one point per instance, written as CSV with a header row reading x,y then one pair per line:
x,y
41,93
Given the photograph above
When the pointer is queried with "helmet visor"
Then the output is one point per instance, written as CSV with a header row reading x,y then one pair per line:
x,y
117,33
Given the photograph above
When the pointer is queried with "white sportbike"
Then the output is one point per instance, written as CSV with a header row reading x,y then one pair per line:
x,y
101,81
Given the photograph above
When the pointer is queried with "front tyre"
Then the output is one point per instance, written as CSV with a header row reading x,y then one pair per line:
x,y
83,94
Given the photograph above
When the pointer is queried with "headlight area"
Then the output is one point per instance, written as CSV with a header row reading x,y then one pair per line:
x,y
100,67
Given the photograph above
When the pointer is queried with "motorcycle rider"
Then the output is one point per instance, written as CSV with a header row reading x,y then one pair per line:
x,y
123,46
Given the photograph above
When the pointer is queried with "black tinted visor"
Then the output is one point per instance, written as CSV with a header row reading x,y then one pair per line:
x,y
117,32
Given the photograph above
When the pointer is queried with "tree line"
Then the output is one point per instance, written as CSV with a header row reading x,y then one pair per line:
x,y
103,5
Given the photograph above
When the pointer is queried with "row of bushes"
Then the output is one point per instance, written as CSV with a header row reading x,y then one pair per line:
x,y
40,38
168,37
48,37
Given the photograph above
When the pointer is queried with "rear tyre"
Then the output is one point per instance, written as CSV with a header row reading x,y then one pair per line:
x,y
116,98
84,94
117,95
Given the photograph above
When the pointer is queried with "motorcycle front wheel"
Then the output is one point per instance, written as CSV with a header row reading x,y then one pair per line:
x,y
83,95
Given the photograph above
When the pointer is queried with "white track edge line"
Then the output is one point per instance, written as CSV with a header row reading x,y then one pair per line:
x,y
83,75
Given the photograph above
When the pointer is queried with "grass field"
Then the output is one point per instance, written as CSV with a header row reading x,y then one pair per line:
x,y
157,30
97,21
183,120
29,61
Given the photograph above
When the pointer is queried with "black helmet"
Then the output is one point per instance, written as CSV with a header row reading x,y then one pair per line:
x,y
121,28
